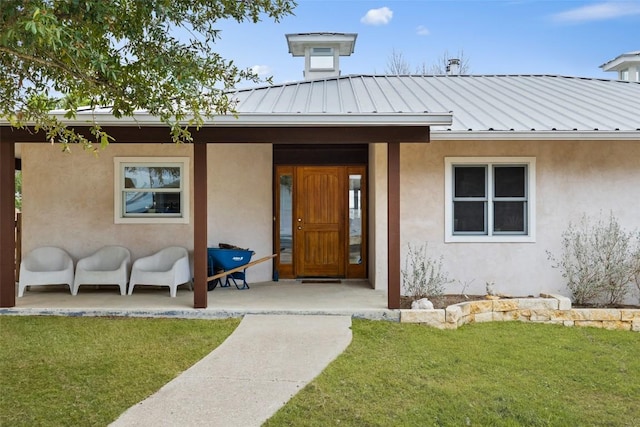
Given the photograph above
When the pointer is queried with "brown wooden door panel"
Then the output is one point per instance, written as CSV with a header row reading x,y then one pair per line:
x,y
321,254
319,222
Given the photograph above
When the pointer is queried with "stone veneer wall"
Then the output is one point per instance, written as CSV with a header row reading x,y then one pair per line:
x,y
553,309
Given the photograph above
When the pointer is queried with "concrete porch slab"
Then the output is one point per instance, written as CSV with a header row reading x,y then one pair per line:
x,y
354,298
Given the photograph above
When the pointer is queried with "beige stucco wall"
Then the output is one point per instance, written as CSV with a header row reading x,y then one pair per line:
x,y
378,249
573,178
240,200
68,201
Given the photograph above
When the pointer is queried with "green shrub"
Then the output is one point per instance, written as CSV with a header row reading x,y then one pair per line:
x,y
423,276
600,261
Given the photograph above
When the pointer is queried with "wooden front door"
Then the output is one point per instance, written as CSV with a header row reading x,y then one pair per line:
x,y
319,221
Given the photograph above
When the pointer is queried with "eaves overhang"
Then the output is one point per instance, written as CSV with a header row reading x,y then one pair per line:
x,y
542,135
273,119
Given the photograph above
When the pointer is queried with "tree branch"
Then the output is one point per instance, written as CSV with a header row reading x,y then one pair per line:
x,y
55,63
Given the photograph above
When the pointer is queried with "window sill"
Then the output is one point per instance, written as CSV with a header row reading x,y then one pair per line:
x,y
489,239
155,220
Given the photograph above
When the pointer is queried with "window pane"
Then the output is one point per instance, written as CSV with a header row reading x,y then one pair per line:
x,y
469,181
509,181
152,177
355,219
469,217
321,62
138,202
152,202
286,219
509,217
167,202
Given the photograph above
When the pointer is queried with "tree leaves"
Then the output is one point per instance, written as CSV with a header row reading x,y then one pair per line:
x,y
125,55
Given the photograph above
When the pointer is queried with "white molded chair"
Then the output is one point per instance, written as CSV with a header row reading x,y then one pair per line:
x,y
168,267
47,265
108,266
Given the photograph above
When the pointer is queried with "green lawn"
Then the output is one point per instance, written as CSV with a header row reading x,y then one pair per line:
x,y
58,371
70,371
492,374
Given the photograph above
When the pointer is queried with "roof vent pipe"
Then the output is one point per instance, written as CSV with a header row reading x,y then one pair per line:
x,y
453,66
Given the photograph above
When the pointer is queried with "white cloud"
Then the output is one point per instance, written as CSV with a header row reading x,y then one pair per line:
x,y
598,12
261,70
380,16
422,30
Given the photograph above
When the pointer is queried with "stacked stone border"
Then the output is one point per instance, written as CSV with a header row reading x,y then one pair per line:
x,y
548,308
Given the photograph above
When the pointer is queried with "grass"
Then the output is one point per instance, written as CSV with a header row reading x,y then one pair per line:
x,y
62,371
493,374
66,371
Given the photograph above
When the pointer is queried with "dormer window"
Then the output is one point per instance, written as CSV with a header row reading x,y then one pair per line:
x,y
321,58
624,74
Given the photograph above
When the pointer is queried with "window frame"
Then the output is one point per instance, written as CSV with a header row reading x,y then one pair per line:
x,y
151,218
489,163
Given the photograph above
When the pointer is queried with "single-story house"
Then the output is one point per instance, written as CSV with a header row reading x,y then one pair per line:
x,y
339,175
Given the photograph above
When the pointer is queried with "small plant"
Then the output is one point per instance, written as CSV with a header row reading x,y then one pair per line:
x,y
490,288
599,260
465,286
423,276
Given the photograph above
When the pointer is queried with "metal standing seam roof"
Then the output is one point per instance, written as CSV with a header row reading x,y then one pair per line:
x,y
456,107
491,106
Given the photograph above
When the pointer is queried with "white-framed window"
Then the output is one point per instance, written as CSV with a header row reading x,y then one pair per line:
x,y
151,190
321,58
490,199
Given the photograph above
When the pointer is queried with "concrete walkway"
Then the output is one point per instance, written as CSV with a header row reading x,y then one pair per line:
x,y
243,382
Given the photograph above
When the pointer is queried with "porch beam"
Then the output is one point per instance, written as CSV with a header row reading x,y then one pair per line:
x,y
7,224
200,225
393,224
217,134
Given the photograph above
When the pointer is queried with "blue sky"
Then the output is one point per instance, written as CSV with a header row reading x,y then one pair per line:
x,y
497,37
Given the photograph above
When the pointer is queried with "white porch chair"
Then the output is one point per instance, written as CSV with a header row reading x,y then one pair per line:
x,y
168,267
46,265
108,266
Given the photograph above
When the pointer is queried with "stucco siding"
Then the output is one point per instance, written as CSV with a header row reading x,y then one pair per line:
x,y
572,179
378,249
68,201
240,200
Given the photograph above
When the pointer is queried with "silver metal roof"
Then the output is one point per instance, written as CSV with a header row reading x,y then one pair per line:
x,y
475,107
491,106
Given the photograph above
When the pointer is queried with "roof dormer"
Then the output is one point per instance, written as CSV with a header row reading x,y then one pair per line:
x,y
627,65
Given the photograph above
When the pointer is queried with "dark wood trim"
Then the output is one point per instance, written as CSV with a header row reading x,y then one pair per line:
x,y
289,135
200,225
393,224
325,154
7,225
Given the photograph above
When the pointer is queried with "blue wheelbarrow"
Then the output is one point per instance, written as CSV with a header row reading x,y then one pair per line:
x,y
220,260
